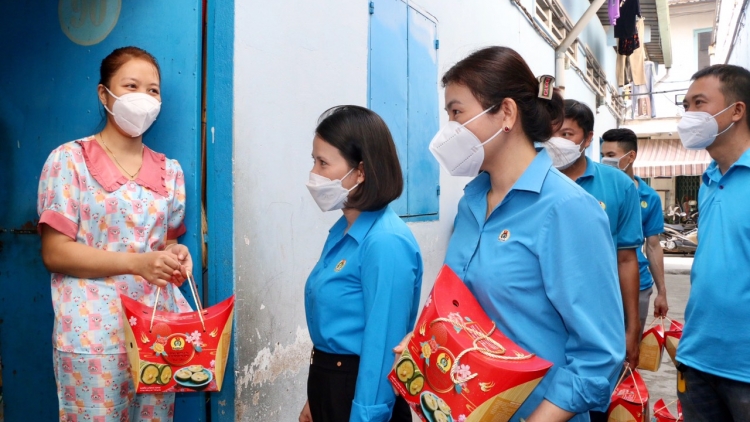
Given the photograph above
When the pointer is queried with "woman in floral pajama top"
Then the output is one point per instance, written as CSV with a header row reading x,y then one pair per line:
x,y
110,212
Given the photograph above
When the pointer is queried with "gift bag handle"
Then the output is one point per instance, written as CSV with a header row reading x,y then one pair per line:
x,y
637,390
679,414
660,319
193,291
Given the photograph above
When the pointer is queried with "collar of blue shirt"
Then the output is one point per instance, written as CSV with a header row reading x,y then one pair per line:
x,y
590,169
531,180
361,226
713,173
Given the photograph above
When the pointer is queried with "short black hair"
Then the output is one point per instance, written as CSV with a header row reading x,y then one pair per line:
x,y
361,136
582,115
625,138
735,83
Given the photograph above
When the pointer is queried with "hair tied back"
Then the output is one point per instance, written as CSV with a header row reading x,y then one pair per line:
x,y
546,88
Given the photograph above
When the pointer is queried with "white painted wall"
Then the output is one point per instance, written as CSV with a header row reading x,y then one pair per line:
x,y
740,53
728,17
685,20
293,60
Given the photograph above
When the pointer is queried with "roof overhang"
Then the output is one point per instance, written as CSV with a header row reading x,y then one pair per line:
x,y
668,158
660,152
656,15
658,128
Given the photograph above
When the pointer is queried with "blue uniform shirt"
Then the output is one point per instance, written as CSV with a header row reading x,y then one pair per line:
x,y
618,197
362,298
543,268
715,338
652,221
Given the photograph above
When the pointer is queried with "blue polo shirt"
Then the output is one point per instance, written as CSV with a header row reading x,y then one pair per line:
x,y
652,221
531,266
618,196
715,338
362,298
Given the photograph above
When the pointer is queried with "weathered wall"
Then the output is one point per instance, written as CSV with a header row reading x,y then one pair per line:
x,y
730,14
685,20
289,68
293,61
740,54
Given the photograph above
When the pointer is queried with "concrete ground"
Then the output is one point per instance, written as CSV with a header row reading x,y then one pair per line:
x,y
662,384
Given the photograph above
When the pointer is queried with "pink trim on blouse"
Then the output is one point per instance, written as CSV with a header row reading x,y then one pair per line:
x,y
58,222
173,234
152,175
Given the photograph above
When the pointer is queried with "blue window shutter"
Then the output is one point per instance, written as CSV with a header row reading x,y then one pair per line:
x,y
423,119
388,83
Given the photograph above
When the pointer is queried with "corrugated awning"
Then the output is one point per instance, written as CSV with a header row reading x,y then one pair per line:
x,y
667,158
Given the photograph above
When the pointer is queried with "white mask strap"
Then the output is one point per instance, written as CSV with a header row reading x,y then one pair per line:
x,y
730,106
477,116
491,138
113,96
110,93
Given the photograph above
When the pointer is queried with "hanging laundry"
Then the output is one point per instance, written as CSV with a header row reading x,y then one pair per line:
x,y
636,57
629,11
613,9
627,45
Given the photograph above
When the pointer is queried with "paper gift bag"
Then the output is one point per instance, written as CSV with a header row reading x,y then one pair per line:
x,y
458,366
652,347
663,414
629,400
177,352
672,339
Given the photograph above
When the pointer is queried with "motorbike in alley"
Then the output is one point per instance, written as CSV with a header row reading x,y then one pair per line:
x,y
679,239
680,232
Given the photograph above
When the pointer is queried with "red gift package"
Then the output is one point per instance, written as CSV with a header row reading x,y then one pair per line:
x,y
177,352
652,347
672,339
629,400
663,414
458,366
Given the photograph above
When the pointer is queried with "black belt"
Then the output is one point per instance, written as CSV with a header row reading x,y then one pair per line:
x,y
333,361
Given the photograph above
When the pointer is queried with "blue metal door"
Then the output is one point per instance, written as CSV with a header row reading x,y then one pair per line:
x,y
403,90
49,69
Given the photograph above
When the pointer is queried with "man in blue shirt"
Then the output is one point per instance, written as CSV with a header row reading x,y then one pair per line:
x,y
618,197
619,149
713,355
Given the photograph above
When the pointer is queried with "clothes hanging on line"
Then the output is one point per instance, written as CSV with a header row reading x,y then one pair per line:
x,y
613,10
643,105
630,10
636,60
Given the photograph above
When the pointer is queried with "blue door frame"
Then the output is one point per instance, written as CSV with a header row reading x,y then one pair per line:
x,y
48,90
219,179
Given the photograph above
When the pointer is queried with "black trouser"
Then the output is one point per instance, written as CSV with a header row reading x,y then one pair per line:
x,y
330,388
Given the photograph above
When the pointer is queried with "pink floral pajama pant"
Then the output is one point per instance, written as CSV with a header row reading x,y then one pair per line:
x,y
99,388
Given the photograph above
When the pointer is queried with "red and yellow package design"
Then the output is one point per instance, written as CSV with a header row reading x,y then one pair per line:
x,y
177,352
458,366
663,414
672,339
652,347
629,400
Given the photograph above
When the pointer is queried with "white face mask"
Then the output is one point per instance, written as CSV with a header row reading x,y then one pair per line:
x,y
134,112
614,162
563,152
328,194
458,150
698,129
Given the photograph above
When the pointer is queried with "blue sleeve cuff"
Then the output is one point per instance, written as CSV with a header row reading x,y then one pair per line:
x,y
576,394
375,413
652,232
